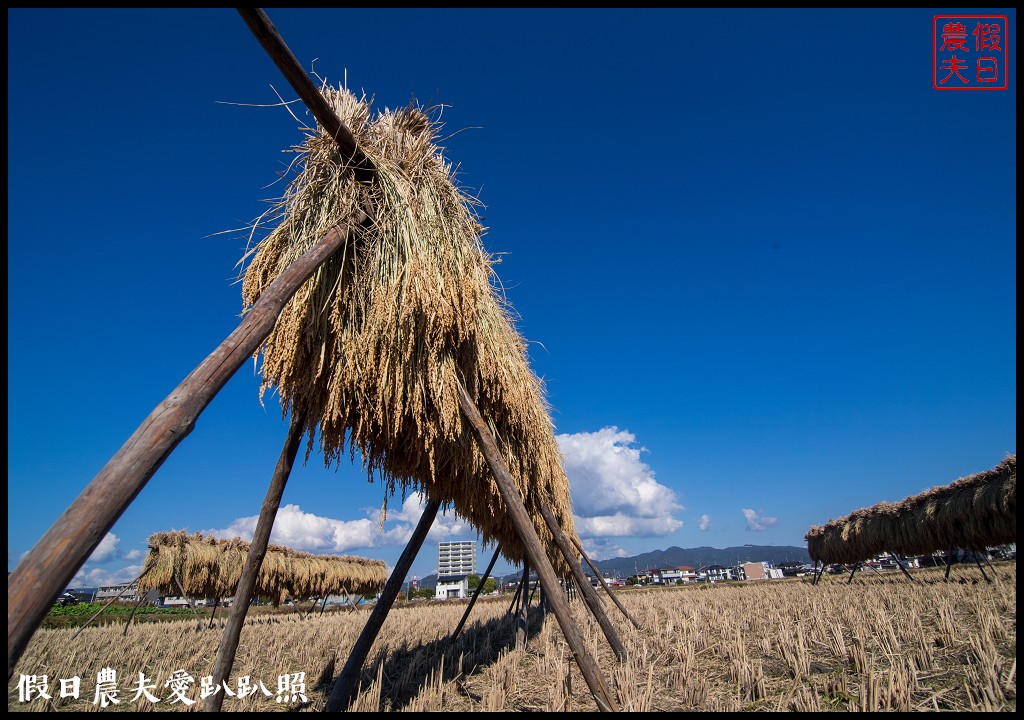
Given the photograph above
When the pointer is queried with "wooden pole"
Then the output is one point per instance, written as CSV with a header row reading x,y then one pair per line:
x,y
109,602
195,613
600,578
991,567
535,551
283,57
949,563
253,561
476,593
515,597
976,560
900,565
213,615
324,606
818,573
855,566
590,598
65,547
523,618
348,681
134,608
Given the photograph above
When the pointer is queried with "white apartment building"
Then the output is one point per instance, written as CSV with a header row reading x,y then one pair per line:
x,y
456,558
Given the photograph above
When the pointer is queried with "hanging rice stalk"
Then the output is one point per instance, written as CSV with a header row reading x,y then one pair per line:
x,y
973,513
210,567
371,347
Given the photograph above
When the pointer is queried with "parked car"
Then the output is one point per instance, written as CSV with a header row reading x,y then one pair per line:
x,y
66,599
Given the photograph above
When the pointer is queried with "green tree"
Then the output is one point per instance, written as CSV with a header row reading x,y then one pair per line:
x,y
490,585
473,579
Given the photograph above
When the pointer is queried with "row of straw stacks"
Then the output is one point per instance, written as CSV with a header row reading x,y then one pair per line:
x,y
972,513
209,567
370,349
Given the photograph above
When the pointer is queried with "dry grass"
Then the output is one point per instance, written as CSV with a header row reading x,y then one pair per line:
x,y
882,643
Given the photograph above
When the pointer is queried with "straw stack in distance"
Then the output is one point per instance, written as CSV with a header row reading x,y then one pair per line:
x,y
972,513
369,349
209,567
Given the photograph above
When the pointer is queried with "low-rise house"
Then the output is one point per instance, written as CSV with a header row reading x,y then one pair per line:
x,y
760,571
717,573
687,574
86,595
451,587
125,593
792,568
665,576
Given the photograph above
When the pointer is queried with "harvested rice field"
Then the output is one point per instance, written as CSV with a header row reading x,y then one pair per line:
x,y
880,643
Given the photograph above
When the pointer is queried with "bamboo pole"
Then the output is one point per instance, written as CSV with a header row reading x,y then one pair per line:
x,y
604,584
347,683
855,566
253,561
590,598
523,617
535,551
949,563
476,593
213,614
65,547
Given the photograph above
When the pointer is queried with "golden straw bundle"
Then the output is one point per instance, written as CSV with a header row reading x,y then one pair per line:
x,y
209,567
972,513
369,349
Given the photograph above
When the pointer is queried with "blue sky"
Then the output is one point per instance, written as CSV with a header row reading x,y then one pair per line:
x,y
767,272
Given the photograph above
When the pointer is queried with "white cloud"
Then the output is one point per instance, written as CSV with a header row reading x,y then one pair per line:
x,y
705,522
447,525
106,550
96,577
620,525
615,494
306,531
758,521
133,555
602,549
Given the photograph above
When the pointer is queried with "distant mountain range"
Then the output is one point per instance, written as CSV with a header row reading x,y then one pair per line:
x,y
674,556
701,556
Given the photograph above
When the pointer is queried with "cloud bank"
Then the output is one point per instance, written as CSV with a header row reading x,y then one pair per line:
x,y
614,493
